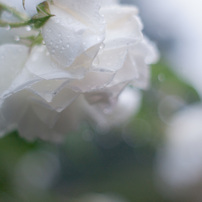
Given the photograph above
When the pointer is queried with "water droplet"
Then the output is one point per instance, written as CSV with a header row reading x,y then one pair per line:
x,y
28,28
98,39
161,77
107,110
17,38
8,27
102,46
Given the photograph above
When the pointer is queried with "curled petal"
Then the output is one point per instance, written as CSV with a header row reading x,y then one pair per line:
x,y
109,2
12,59
34,117
125,107
91,82
123,26
68,35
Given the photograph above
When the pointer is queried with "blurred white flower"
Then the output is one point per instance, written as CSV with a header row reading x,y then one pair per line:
x,y
176,25
90,55
95,197
37,170
180,160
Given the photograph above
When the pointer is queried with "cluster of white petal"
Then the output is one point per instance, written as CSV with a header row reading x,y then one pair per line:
x,y
92,53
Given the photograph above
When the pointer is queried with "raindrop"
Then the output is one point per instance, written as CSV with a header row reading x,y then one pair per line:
x,y
84,44
161,77
17,38
102,46
8,27
28,28
98,39
47,53
2,57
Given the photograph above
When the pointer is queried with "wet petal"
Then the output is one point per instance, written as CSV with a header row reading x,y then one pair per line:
x,y
123,26
91,82
68,35
109,2
126,106
12,59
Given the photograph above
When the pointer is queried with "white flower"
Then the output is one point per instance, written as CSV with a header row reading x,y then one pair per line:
x,y
90,55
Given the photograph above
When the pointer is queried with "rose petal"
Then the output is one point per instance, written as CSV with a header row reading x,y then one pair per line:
x,y
105,97
68,35
43,65
123,25
110,59
109,2
84,10
12,59
105,118
92,81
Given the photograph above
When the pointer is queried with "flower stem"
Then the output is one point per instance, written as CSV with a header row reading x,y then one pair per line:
x,y
14,25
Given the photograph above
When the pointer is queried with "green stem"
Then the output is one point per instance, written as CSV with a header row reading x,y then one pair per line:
x,y
14,25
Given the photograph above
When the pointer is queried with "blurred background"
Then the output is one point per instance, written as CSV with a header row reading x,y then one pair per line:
x,y
156,156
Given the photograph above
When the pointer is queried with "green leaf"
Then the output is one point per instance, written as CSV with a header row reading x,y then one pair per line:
x,y
36,21
43,8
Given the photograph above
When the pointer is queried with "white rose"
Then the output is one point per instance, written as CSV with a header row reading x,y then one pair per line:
x,y
90,55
